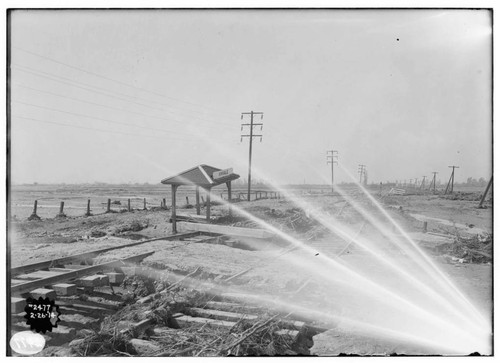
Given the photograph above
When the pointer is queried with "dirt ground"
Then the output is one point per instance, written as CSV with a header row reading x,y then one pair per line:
x,y
273,271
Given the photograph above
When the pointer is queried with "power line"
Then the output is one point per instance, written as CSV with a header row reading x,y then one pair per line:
x,y
101,119
93,129
251,125
119,82
88,88
113,108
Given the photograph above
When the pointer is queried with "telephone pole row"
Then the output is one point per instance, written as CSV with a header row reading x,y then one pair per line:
x,y
433,183
361,171
251,135
331,158
452,179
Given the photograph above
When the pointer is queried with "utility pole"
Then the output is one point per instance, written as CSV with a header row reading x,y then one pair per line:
x,y
331,158
423,182
361,171
452,179
485,193
251,136
433,183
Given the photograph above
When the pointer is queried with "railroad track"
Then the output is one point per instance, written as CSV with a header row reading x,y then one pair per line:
x,y
86,292
67,275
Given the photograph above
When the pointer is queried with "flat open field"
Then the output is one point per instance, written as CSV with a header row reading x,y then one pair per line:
x,y
458,230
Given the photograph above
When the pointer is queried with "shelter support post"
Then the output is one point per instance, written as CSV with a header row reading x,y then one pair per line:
x,y
208,205
229,197
174,216
198,200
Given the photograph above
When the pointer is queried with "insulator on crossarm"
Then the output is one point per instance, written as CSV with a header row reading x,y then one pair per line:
x,y
261,116
242,116
241,139
261,139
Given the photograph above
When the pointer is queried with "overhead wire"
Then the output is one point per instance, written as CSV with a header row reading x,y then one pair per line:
x,y
100,119
117,81
104,106
86,88
94,129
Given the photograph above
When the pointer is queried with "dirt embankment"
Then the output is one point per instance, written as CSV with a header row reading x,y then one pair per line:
x,y
269,271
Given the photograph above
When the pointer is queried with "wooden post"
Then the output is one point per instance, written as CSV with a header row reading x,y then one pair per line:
x,y
109,206
145,204
61,210
174,216
208,205
485,192
228,184
165,202
129,204
187,200
88,208
198,200
425,226
33,215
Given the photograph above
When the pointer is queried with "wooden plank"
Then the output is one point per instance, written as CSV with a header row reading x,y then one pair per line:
x,y
227,230
193,217
62,269
221,315
74,267
28,286
229,306
37,275
83,256
16,282
481,253
186,320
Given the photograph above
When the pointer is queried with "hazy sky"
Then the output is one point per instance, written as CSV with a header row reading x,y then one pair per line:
x,y
136,96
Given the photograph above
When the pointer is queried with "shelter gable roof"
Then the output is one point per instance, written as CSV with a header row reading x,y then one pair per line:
x,y
200,175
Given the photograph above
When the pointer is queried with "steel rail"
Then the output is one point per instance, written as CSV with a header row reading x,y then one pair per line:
x,y
30,285
63,260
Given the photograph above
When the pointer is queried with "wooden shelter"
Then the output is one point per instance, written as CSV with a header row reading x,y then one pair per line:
x,y
201,176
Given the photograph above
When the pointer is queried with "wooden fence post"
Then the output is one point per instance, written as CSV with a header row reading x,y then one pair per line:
x,y
109,206
33,215
145,204
88,208
61,211
129,204
187,200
